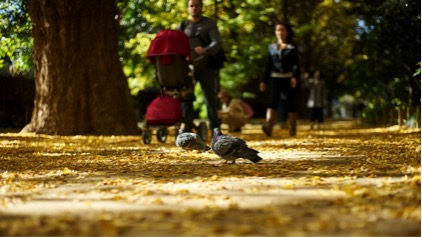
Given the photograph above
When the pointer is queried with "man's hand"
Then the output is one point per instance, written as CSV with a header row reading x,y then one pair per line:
x,y
293,82
262,86
200,50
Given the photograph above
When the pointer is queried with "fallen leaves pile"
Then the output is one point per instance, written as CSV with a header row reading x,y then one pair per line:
x,y
341,180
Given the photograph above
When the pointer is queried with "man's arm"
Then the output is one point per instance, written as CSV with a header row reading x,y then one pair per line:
x,y
213,36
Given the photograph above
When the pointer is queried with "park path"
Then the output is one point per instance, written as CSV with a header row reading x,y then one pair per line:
x,y
341,180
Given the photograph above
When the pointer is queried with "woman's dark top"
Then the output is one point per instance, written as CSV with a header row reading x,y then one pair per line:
x,y
282,61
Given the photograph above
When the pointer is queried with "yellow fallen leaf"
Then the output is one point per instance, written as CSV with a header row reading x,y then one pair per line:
x,y
289,186
158,201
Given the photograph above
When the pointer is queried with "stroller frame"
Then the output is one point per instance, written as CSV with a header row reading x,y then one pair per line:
x,y
170,53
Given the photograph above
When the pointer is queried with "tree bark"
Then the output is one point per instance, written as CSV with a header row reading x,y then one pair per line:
x,y
80,85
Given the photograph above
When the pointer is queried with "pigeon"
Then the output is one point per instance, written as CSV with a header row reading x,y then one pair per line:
x,y
191,141
231,148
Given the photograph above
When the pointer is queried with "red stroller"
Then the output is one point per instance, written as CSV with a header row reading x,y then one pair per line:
x,y
170,53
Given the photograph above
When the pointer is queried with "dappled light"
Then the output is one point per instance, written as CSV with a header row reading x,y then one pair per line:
x,y
80,68
341,180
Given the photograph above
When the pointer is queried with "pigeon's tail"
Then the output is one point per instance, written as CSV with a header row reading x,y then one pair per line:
x,y
254,159
252,155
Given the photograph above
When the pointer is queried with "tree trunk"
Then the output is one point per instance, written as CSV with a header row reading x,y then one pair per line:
x,y
80,85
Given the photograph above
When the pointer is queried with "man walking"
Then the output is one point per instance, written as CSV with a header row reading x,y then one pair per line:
x,y
204,40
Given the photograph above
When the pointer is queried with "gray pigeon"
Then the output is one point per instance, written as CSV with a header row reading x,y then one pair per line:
x,y
231,148
191,141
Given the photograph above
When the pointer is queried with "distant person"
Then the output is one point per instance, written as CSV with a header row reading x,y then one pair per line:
x,y
198,29
234,112
282,73
317,99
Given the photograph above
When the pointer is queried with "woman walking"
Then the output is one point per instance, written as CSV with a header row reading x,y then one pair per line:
x,y
282,73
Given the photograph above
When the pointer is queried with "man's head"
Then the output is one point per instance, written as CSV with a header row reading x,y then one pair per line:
x,y
195,8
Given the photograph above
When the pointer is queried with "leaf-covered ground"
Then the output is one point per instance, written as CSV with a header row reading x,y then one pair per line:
x,y
340,181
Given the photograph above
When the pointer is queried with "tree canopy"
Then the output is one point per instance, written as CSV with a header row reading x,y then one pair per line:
x,y
368,49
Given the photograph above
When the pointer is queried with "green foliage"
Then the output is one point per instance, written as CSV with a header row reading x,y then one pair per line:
x,y
139,77
15,31
139,22
388,52
418,70
368,49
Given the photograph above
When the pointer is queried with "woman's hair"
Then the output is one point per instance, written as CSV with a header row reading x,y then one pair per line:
x,y
289,29
224,93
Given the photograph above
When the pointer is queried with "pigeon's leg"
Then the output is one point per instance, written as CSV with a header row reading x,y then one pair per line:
x,y
233,162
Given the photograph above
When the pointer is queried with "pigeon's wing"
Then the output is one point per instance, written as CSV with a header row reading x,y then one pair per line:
x,y
232,148
250,154
184,140
199,144
227,146
191,141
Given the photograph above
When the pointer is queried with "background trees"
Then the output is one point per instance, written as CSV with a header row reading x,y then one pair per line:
x,y
15,35
356,44
80,85
387,54
367,50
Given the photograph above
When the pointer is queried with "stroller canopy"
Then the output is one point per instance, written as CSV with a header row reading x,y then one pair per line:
x,y
169,42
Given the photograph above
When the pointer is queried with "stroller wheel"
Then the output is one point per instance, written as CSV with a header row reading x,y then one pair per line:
x,y
203,131
162,133
146,136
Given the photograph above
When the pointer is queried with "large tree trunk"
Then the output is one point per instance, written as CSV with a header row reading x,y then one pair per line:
x,y
80,85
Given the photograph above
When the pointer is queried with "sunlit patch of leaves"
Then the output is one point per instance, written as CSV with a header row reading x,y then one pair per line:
x,y
335,182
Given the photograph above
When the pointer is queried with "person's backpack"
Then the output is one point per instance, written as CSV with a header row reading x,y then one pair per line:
x,y
215,61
